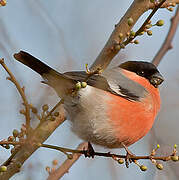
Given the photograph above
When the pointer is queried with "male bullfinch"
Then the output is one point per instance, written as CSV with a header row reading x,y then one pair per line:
x,y
117,107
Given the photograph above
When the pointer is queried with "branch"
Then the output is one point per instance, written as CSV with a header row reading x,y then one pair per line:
x,y
58,173
21,92
167,43
36,136
134,12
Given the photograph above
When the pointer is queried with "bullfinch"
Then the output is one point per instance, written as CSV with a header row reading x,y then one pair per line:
x,y
117,107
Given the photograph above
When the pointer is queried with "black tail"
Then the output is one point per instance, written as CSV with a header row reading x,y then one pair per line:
x,y
32,62
58,81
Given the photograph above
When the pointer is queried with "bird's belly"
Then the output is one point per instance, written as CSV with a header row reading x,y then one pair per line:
x,y
89,118
108,121
132,120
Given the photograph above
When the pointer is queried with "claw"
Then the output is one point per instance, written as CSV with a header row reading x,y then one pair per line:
x,y
129,155
90,151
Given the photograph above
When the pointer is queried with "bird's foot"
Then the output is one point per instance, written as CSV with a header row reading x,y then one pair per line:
x,y
129,155
90,151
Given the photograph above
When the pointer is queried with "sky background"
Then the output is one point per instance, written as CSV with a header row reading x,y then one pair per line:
x,y
67,34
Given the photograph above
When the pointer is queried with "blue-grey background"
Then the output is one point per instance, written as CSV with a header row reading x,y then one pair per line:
x,y
67,34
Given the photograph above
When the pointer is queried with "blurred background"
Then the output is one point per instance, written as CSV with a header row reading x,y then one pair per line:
x,y
67,34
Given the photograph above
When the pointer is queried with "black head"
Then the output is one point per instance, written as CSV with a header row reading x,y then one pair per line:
x,y
144,69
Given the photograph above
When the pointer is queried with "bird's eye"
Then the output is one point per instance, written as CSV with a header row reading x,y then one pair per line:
x,y
141,73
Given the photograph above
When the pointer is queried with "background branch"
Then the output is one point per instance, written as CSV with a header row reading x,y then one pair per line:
x,y
167,43
63,169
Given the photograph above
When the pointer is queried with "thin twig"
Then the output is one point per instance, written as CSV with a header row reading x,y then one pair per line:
x,y
167,43
145,23
108,154
21,92
64,168
134,12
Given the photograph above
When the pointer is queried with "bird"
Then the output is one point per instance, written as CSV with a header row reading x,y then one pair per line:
x,y
115,109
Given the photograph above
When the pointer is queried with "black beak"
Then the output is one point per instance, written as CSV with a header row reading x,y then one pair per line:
x,y
156,79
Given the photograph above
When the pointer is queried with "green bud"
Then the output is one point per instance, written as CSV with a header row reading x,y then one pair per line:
x,y
56,114
130,21
160,23
132,33
117,47
11,138
149,33
120,161
45,107
170,9
70,156
7,146
3,168
120,35
148,26
159,166
143,168
15,133
136,42
78,86
174,158
83,84
19,165
141,33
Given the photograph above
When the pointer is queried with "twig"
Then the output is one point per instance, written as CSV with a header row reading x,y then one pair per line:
x,y
39,135
145,23
134,12
108,154
21,92
167,43
166,4
59,172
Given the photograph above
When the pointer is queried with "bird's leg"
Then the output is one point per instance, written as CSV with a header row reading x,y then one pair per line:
x,y
90,151
129,155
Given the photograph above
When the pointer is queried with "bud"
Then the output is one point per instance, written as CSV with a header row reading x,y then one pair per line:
x,y
148,26
120,161
174,158
55,162
136,42
78,86
149,33
120,35
160,23
130,21
132,33
3,168
45,107
159,166
11,138
141,33
117,47
70,156
56,114
83,84
143,168
15,133
3,2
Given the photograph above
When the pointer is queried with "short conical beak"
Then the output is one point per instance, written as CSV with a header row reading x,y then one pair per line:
x,y
156,79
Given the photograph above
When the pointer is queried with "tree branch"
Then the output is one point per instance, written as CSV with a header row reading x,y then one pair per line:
x,y
21,92
134,12
167,43
58,173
